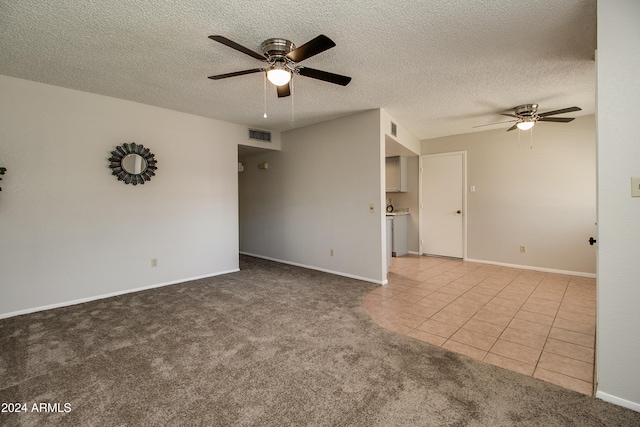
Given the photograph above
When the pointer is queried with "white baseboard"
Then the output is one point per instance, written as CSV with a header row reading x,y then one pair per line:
x,y
109,295
618,401
324,270
528,267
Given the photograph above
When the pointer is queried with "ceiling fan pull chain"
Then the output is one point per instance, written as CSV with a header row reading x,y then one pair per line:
x,y
292,96
265,95
531,139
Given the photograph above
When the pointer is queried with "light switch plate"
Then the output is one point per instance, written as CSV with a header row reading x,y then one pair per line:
x,y
635,186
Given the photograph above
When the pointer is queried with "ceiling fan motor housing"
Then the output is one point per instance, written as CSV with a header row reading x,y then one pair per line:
x,y
277,48
526,111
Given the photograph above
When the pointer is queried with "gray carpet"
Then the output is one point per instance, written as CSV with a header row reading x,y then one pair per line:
x,y
272,345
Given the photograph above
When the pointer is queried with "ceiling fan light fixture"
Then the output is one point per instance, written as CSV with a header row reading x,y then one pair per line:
x,y
526,124
279,75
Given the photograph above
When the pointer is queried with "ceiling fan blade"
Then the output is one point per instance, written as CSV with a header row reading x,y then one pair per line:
x,y
284,90
325,76
311,48
496,123
562,111
514,127
237,73
556,119
233,45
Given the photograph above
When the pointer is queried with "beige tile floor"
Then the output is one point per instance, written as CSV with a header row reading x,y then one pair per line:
x,y
539,324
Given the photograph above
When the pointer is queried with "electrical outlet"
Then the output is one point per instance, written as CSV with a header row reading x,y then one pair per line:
x,y
523,249
154,262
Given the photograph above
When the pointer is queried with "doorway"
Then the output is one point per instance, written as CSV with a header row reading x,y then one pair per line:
x,y
443,204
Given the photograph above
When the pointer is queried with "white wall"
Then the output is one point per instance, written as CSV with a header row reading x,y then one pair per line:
x,y
315,197
538,192
71,231
618,345
403,136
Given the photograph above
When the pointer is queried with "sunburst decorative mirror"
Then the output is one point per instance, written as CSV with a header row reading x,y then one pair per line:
x,y
132,163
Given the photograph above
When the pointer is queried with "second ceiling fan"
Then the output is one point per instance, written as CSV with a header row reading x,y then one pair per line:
x,y
527,115
282,58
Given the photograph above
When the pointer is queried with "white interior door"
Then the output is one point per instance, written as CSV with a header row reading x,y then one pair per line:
x,y
442,204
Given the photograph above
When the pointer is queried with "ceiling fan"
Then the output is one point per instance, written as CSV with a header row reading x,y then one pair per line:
x,y
527,115
282,58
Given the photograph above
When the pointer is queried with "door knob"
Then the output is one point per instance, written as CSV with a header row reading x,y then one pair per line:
x,y
592,241
459,212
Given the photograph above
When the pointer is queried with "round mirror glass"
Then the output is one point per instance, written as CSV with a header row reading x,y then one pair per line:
x,y
134,164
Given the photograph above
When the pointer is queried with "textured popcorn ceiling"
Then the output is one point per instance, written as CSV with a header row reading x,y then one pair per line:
x,y
438,67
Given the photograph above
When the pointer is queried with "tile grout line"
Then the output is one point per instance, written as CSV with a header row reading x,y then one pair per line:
x,y
546,339
505,328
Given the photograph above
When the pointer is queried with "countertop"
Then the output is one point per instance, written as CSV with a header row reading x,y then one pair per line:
x,y
396,213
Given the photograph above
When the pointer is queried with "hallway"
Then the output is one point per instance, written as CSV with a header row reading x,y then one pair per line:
x,y
535,323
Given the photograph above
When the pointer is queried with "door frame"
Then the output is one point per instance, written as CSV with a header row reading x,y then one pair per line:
x,y
464,198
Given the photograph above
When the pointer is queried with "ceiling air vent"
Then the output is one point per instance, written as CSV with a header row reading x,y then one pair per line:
x,y
394,129
260,135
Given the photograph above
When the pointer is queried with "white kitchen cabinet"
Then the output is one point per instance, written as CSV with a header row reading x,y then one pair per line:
x,y
389,222
400,235
396,174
